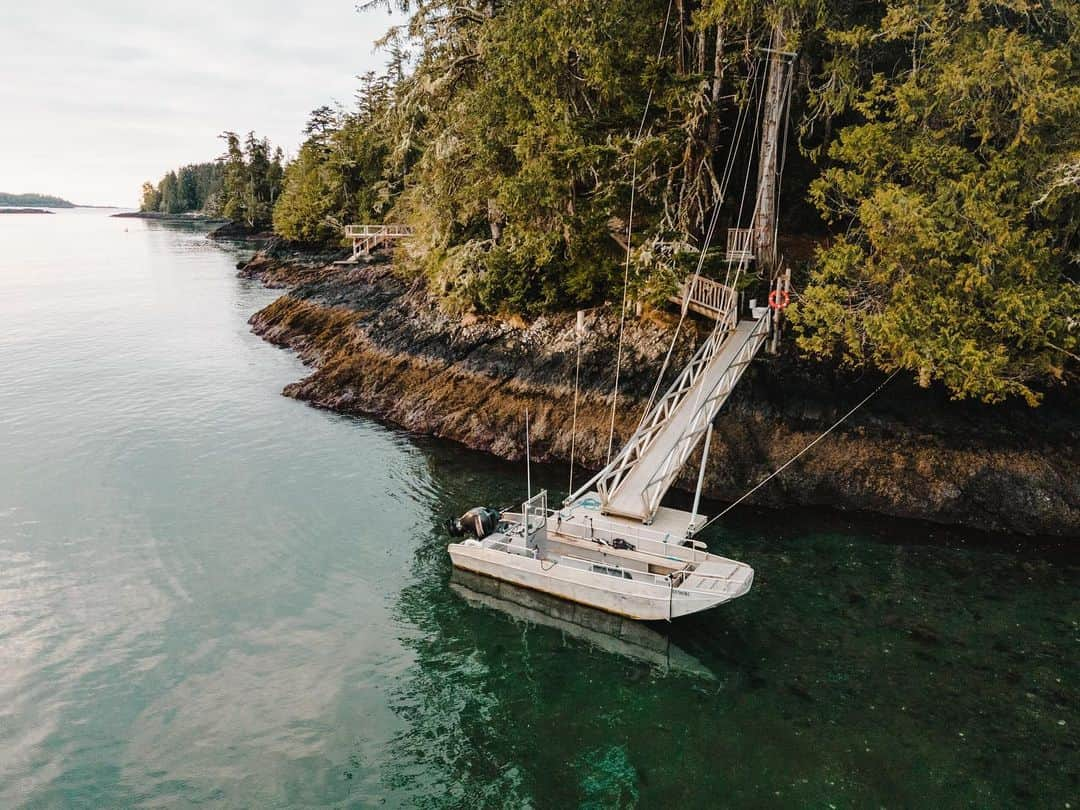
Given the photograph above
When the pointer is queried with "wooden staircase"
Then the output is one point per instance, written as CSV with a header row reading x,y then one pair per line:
x,y
366,238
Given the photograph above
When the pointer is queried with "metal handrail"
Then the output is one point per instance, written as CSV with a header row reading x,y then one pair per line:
x,y
654,490
648,541
609,478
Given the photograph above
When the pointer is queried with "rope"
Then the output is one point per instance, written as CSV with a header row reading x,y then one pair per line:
x,y
629,234
729,168
798,455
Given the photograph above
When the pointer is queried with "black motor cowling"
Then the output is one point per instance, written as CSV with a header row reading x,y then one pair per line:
x,y
478,523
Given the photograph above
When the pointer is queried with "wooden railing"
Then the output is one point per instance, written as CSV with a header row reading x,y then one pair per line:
x,y
366,238
708,293
362,231
707,297
740,244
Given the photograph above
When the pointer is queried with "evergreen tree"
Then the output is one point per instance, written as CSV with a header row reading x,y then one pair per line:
x,y
170,195
251,179
234,179
151,197
192,188
939,139
188,190
945,262
337,178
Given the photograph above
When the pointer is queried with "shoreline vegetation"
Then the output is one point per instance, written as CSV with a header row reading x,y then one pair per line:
x,y
24,211
379,346
929,212
241,186
34,201
931,162
193,216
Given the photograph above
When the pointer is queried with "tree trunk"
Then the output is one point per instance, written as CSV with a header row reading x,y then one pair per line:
x,y
700,46
717,82
680,38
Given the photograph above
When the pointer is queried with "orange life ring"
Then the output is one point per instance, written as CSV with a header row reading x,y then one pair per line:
x,y
779,299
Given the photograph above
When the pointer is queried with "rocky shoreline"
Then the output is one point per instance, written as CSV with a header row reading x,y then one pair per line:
x,y
379,346
163,217
226,229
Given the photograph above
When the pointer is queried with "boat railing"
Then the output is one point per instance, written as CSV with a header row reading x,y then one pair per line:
x,y
588,527
614,570
633,575
510,548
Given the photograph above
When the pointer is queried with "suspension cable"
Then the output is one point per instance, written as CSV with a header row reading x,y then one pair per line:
x,y
630,233
705,246
799,455
729,167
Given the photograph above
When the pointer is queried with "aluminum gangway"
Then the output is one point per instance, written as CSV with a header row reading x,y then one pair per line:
x,y
639,476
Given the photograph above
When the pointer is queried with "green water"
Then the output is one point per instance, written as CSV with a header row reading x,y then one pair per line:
x,y
211,594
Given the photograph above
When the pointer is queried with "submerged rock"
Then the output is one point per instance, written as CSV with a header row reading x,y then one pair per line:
x,y
381,346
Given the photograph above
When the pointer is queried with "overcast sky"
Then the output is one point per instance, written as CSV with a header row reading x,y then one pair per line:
x,y
96,97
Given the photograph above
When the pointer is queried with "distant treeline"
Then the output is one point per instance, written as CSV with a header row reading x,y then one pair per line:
x,y
242,184
195,187
43,200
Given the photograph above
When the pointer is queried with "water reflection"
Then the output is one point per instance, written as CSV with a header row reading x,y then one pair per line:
x,y
872,664
605,632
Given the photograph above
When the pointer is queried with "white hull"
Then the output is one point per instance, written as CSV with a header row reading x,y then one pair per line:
x,y
657,578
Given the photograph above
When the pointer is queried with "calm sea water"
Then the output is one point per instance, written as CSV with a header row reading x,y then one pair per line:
x,y
211,594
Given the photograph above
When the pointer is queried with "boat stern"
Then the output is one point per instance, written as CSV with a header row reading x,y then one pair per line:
x,y
713,582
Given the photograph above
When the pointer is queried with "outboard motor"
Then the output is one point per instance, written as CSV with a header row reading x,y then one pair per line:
x,y
478,523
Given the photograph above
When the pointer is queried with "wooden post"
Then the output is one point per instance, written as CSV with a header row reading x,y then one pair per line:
x,y
768,162
782,284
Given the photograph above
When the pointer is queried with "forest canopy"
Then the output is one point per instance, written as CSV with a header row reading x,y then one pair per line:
x,y
243,184
195,187
932,156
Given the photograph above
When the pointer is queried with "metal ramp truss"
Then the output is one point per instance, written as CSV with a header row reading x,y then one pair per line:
x,y
637,479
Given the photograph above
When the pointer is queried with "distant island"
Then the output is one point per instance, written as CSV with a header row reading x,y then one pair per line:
x,y
24,211
24,200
